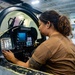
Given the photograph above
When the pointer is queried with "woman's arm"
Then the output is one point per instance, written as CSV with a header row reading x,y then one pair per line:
x,y
10,56
31,63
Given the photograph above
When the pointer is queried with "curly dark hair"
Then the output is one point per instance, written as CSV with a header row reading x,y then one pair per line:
x,y
64,26
61,23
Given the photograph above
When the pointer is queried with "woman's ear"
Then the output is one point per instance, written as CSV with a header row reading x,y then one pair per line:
x,y
48,24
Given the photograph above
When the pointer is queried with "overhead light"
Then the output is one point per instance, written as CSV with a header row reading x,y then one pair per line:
x,y
35,2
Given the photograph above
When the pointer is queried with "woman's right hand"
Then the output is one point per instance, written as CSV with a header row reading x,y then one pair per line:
x,y
8,55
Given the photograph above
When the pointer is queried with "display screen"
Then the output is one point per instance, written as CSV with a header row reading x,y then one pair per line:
x,y
29,41
21,37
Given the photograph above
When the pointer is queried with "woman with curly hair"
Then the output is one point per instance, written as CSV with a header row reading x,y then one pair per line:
x,y
55,55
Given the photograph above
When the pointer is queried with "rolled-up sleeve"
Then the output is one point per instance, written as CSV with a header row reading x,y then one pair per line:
x,y
41,54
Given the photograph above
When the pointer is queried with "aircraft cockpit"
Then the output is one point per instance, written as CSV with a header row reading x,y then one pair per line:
x,y
19,33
